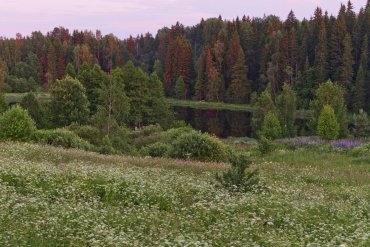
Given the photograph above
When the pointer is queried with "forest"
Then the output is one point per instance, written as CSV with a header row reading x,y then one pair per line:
x,y
216,60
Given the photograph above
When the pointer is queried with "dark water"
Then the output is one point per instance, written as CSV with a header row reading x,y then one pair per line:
x,y
222,123
225,123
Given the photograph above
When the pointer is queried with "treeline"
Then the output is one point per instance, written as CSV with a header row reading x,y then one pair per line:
x,y
216,60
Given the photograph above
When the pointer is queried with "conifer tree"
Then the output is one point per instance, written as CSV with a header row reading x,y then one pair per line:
x,y
159,109
327,125
180,88
239,88
361,79
346,70
329,94
70,71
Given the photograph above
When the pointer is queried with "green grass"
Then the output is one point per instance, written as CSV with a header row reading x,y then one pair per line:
x,y
203,105
13,98
56,197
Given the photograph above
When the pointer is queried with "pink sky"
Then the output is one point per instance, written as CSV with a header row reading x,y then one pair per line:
x,y
125,17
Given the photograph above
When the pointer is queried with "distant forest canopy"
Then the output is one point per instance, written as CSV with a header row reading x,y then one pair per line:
x,y
215,60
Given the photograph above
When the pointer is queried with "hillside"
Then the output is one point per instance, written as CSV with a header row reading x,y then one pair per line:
x,y
51,196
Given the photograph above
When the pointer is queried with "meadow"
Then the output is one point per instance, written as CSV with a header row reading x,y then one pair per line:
x,y
57,197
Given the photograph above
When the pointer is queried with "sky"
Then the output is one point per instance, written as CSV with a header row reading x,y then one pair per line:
x,y
132,17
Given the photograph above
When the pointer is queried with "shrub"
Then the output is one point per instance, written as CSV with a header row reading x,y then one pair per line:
x,y
237,178
60,138
106,146
271,128
32,105
86,132
16,124
265,146
328,127
198,146
157,149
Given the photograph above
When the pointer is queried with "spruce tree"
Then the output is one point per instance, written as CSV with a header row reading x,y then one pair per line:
x,y
327,125
239,88
333,95
359,101
180,88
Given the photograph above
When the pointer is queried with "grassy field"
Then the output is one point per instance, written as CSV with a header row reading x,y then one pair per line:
x,y
56,197
13,98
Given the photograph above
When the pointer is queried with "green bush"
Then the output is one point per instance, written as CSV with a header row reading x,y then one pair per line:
x,y
157,149
106,146
16,124
199,146
265,146
327,126
237,178
60,138
86,132
271,128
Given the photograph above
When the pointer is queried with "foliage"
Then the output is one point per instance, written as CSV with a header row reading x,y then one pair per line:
x,y
180,88
86,132
327,126
106,146
16,124
361,123
237,178
271,128
113,105
22,85
60,138
286,104
263,105
3,103
158,111
157,149
329,94
68,102
198,146
32,105
265,145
